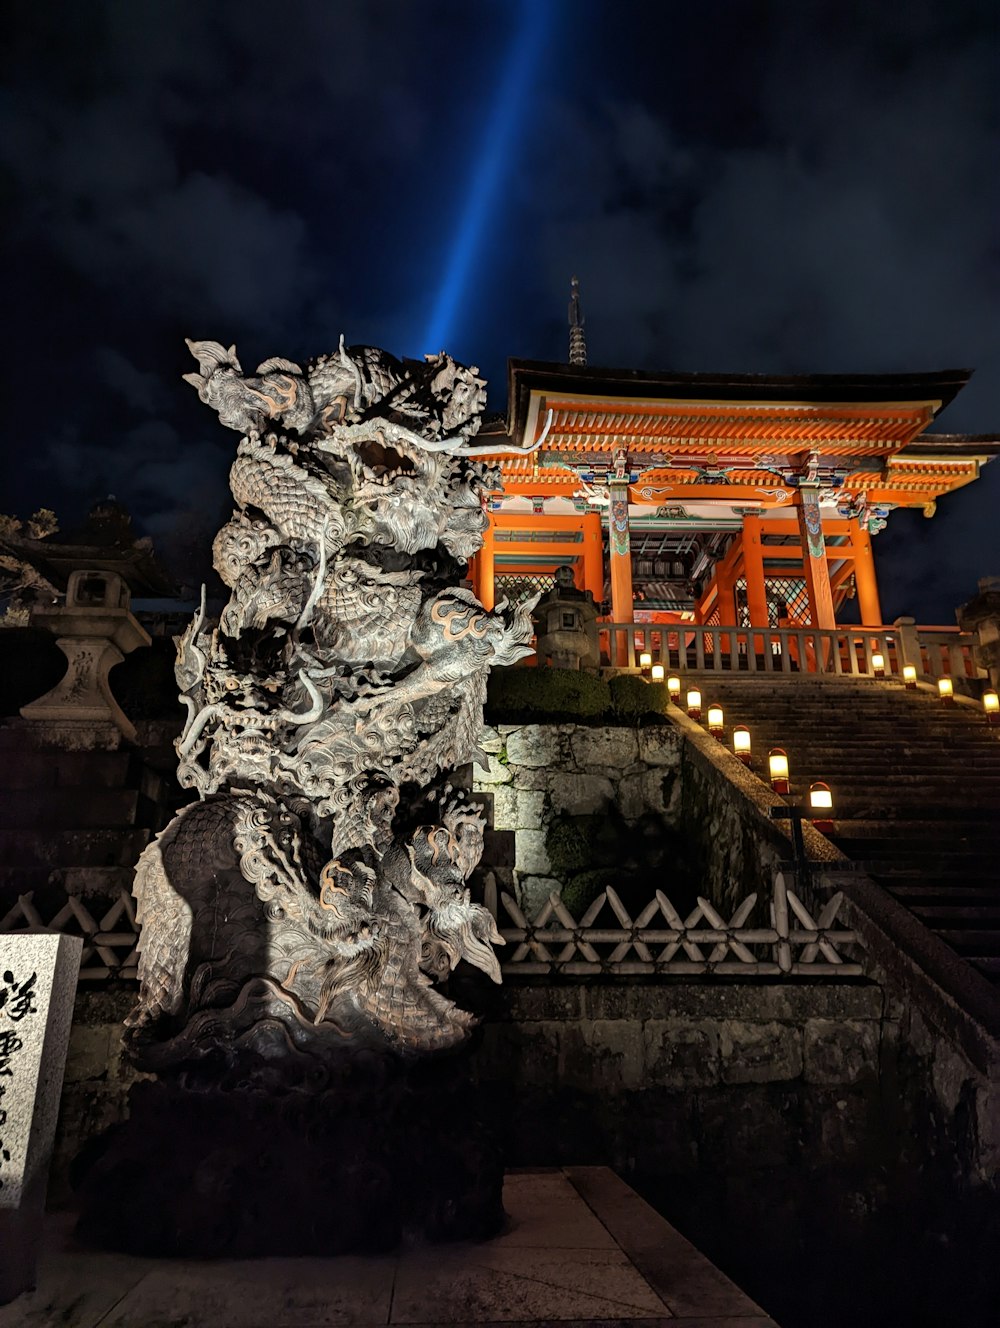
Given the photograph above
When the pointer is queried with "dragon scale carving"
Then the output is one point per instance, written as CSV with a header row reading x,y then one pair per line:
x,y
315,894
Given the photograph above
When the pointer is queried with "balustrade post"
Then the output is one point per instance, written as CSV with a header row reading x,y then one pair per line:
x,y
909,643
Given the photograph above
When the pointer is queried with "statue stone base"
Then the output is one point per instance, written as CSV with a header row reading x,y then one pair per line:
x,y
390,1153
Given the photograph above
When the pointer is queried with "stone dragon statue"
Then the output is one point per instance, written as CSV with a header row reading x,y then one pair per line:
x,y
313,896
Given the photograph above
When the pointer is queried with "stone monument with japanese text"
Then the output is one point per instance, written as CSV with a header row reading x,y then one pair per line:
x,y
38,974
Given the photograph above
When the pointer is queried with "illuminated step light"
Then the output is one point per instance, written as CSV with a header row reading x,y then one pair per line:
x,y
741,743
821,804
777,769
645,661
674,689
991,705
715,720
878,665
946,689
657,673
910,676
694,703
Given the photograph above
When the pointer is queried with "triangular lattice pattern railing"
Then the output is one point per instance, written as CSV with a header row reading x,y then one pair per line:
x,y
110,943
607,939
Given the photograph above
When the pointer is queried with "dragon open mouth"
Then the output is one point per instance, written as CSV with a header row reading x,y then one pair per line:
x,y
383,463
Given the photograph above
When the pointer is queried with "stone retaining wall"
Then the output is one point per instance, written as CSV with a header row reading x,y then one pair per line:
x,y
653,779
680,1077
541,772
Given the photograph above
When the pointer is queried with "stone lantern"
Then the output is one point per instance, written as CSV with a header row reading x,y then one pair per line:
x,y
95,629
565,621
981,615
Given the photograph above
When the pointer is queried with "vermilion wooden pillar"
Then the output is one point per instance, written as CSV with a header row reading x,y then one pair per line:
x,y
484,568
725,596
753,570
864,576
621,555
593,556
814,564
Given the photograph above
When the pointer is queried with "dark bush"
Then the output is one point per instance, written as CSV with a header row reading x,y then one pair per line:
x,y
633,698
579,893
553,693
571,843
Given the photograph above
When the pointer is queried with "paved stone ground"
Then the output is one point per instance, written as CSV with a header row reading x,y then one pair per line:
x,y
581,1247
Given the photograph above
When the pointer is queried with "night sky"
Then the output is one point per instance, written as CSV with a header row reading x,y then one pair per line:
x,y
785,187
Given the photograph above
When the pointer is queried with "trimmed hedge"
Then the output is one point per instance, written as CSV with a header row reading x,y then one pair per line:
x,y
633,698
566,695
547,691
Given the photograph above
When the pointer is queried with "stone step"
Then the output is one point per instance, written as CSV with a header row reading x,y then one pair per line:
x,y
23,735
900,709
943,891
988,965
979,942
801,699
894,858
888,870
823,735
970,915
918,830
33,769
934,754
908,844
866,774
962,888
71,808
855,809
71,848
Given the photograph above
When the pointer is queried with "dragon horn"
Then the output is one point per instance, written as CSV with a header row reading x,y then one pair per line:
x,y
348,363
210,355
312,713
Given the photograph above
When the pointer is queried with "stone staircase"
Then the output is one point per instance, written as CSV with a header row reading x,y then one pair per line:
x,y
916,787
74,821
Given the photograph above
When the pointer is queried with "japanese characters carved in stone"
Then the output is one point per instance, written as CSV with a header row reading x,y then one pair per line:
x,y
311,898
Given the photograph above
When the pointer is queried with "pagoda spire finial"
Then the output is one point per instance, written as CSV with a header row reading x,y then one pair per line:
x,y
577,336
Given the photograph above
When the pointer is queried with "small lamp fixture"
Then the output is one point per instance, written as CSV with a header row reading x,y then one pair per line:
x,y
821,804
674,689
741,743
694,703
645,661
946,689
715,721
910,677
991,706
878,665
777,769
657,673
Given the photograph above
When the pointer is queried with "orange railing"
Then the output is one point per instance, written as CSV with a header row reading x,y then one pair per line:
x,y
850,651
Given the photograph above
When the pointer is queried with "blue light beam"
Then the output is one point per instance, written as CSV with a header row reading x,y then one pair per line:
x,y
494,152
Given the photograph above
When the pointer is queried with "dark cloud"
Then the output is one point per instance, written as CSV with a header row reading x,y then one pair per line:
x,y
740,185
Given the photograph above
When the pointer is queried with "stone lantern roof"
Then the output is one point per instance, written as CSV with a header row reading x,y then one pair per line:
x,y
105,542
